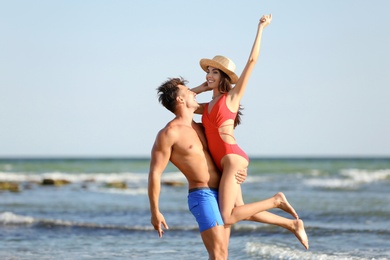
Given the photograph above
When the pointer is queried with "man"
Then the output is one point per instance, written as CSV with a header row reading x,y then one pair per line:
x,y
182,141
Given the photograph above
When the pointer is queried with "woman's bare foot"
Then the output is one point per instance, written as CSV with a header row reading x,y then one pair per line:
x,y
299,231
282,203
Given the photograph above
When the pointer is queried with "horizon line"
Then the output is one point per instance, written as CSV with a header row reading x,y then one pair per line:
x,y
144,157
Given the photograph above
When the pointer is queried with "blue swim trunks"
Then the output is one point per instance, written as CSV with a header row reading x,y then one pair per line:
x,y
203,204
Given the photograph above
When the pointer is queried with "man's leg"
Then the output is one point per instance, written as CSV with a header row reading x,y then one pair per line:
x,y
203,204
215,242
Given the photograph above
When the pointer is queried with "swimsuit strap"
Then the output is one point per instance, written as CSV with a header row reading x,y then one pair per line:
x,y
226,125
222,133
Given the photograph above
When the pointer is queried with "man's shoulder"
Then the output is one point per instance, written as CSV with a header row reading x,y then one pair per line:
x,y
173,128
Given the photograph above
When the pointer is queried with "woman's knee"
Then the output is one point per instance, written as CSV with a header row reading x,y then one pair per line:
x,y
233,162
228,220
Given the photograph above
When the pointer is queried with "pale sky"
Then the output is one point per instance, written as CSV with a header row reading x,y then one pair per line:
x,y
79,78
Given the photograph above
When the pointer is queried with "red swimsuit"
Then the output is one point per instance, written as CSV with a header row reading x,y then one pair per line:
x,y
211,122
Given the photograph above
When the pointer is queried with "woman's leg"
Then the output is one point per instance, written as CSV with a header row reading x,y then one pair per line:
x,y
229,190
296,226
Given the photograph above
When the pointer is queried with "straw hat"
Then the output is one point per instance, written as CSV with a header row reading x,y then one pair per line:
x,y
222,63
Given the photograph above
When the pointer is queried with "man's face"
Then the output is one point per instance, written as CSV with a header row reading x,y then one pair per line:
x,y
188,96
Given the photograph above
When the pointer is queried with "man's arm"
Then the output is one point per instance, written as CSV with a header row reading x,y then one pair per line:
x,y
160,155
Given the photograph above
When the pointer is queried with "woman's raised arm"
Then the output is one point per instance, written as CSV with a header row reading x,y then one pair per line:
x,y
237,92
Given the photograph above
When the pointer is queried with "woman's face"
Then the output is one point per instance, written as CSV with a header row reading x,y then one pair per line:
x,y
213,77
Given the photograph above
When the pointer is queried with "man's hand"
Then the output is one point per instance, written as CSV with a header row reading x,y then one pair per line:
x,y
241,176
157,220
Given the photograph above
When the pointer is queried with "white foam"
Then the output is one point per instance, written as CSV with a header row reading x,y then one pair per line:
x,y
173,176
366,176
18,177
133,191
7,218
350,178
86,177
284,252
74,177
331,183
256,179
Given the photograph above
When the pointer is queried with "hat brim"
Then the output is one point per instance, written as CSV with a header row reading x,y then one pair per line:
x,y
205,63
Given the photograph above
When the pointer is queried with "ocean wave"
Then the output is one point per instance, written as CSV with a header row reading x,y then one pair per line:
x,y
314,228
365,176
257,179
283,252
64,223
350,179
72,177
9,218
133,191
86,177
12,219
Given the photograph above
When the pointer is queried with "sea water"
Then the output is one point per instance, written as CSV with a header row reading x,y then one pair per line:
x,y
344,203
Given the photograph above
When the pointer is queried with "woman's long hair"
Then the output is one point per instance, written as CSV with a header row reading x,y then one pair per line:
x,y
224,87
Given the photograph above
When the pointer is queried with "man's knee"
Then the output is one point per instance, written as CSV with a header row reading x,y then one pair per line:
x,y
219,252
215,242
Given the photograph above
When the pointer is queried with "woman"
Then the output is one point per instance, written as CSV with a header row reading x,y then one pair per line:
x,y
219,118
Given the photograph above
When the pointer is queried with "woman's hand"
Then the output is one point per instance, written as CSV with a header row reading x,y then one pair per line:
x,y
201,88
265,20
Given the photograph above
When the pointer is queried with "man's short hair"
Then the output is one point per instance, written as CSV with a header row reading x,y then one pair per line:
x,y
168,91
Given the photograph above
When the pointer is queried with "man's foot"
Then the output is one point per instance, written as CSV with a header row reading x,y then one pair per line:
x,y
300,233
282,203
